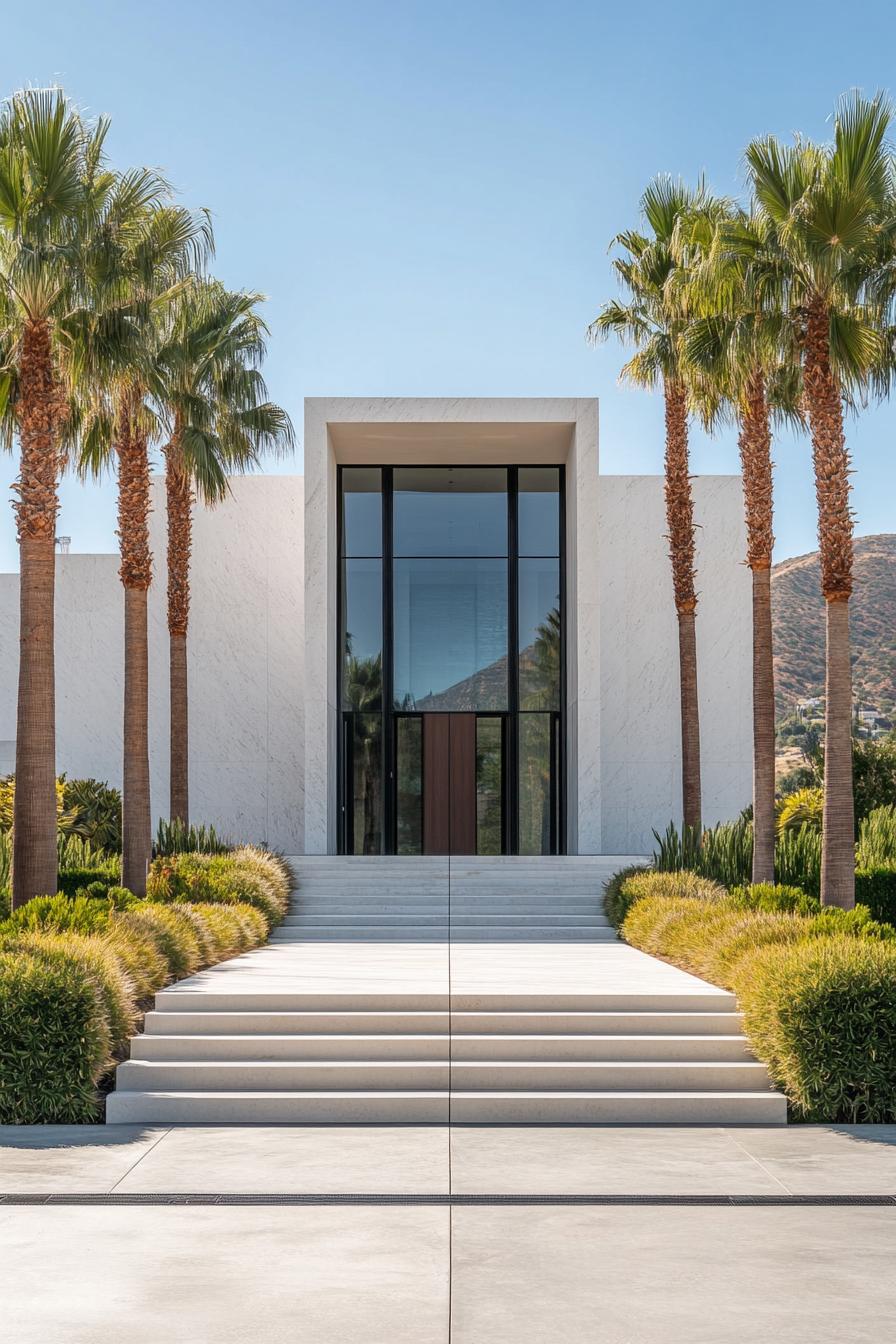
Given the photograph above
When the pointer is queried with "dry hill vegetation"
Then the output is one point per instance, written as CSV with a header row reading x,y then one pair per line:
x,y
798,614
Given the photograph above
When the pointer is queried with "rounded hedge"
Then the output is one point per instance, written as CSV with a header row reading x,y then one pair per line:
x,y
54,1040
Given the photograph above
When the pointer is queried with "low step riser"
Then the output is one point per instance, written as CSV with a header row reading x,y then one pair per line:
x,y
432,933
420,1075
762,1108
438,1046
453,920
308,1001
371,1023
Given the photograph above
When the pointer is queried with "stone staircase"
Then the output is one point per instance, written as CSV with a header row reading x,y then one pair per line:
x,y
432,991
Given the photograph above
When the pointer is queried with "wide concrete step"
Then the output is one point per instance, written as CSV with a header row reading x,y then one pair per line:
x,y
433,1107
323,1022
453,918
547,902
618,1108
314,1023
506,933
282,1075
279,1000
426,1074
278,1108
438,1046
550,1048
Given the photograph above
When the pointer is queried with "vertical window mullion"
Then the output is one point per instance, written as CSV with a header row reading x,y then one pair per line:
x,y
389,731
513,660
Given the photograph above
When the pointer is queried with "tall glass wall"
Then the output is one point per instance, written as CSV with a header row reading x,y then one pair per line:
x,y
450,601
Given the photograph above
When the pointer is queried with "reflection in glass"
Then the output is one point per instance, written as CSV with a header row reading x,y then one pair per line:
x,y
367,783
409,785
450,511
539,511
362,634
539,618
535,783
362,511
489,786
450,622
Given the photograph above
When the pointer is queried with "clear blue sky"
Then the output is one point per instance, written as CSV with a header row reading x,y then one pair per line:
x,y
426,191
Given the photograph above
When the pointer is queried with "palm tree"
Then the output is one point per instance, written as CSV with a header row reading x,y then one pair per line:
x,y
151,248
51,175
739,343
653,321
830,212
212,396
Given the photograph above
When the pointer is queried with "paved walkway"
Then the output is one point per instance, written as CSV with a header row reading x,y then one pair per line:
x,y
417,1273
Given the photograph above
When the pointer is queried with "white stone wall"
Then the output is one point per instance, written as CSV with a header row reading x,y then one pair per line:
x,y
640,764
246,648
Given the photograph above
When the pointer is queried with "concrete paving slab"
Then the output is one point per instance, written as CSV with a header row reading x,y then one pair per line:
x,y
327,1159
232,1275
673,1276
41,1159
611,1160
826,1159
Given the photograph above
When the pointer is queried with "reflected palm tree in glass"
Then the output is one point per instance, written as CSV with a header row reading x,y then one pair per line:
x,y
362,693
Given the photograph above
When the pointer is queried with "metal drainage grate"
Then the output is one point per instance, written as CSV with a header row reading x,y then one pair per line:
x,y
454,1201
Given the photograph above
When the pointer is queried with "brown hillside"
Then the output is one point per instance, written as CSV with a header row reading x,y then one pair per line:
x,y
798,615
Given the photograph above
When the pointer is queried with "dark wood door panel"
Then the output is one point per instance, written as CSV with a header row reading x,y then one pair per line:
x,y
436,773
462,783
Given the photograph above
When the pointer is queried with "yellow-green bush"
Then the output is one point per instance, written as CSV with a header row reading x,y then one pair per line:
x,y
818,992
822,1015
100,962
75,972
247,876
633,884
54,1040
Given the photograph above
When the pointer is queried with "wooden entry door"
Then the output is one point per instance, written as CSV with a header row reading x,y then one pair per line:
x,y
449,783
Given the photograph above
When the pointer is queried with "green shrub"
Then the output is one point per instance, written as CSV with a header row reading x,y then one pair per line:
x,y
99,960
637,883
72,880
171,933
95,812
877,839
798,859
769,897
235,928
616,904
137,948
54,1040
59,913
822,1016
803,807
245,877
75,852
876,888
723,853
754,953
173,837
5,860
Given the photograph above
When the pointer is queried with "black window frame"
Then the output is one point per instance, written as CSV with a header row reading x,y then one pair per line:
x,y
511,716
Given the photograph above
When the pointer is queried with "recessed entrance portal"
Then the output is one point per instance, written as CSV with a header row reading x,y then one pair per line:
x,y
451,670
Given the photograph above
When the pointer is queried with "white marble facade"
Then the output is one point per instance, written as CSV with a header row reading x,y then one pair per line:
x,y
263,635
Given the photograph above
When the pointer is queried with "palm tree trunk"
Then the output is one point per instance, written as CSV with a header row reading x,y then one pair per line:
x,y
763,729
136,575
680,521
180,502
831,462
755,452
40,412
